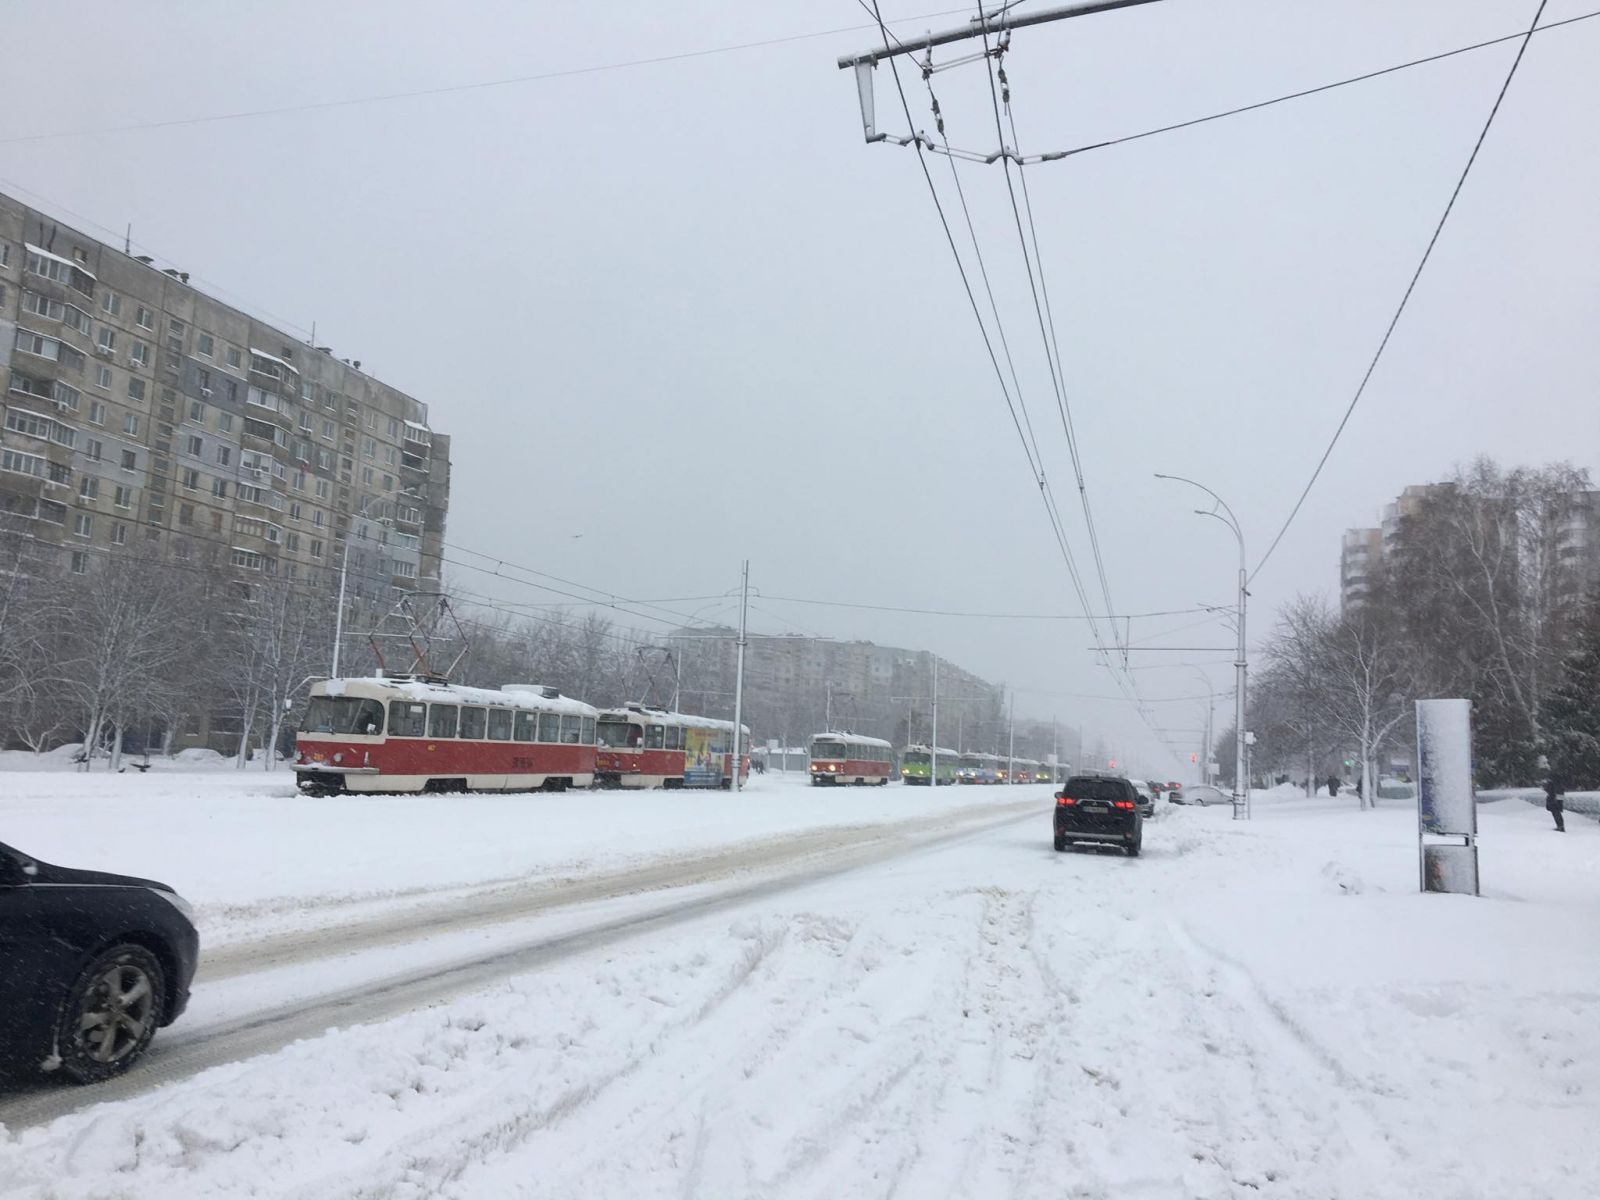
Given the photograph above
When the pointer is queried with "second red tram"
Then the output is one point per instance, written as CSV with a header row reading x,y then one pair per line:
x,y
644,747
850,758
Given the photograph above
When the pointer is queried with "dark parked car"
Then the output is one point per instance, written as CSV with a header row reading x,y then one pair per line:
x,y
90,965
1100,809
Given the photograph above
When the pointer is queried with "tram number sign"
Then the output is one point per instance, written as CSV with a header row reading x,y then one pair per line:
x,y
522,764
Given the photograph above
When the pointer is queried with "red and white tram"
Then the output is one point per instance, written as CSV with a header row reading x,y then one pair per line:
x,y
419,734
644,747
850,758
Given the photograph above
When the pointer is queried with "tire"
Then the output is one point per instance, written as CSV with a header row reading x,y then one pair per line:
x,y
1061,844
1132,848
121,995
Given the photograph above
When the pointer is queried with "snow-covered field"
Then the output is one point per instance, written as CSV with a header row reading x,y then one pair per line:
x,y
1249,1009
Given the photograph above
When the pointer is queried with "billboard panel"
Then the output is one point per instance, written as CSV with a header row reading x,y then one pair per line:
x,y
1445,800
1450,868
702,765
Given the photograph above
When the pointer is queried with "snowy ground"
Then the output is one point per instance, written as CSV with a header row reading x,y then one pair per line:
x,y
925,1001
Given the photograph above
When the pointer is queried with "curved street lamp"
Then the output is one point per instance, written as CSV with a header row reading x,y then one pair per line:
x,y
1241,790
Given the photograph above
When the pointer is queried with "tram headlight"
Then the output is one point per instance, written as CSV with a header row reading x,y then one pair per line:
x,y
338,756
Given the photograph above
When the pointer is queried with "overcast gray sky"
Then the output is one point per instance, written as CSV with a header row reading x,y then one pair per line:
x,y
683,311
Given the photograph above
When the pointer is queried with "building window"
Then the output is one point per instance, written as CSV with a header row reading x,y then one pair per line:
x,y
107,340
83,525
139,354
124,496
233,358
225,422
80,563
248,559
318,518
136,389
191,479
197,445
197,412
224,455
316,548
204,346
97,413
130,461
321,489
96,450
130,424
144,318
58,473
19,463
111,302
219,488
119,534
175,331
88,488
185,514
102,377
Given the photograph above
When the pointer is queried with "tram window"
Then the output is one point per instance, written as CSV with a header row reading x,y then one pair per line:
x,y
588,731
343,714
571,729
719,741
653,735
472,723
406,719
442,720
526,726
499,725
549,727
674,737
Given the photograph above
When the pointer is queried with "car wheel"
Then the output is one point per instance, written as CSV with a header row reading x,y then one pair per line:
x,y
1133,848
1061,843
110,1014
1200,800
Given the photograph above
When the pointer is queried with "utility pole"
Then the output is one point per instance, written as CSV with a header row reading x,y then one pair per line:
x,y
933,747
338,616
1241,662
738,676
1011,742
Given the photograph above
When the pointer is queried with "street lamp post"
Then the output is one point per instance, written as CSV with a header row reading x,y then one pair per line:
x,y
1241,790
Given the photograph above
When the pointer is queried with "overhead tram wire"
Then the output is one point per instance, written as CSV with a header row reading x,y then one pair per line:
x,y
978,156
451,89
1400,309
1052,348
1035,468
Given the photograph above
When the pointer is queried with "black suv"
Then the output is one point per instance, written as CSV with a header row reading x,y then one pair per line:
x,y
90,964
1102,809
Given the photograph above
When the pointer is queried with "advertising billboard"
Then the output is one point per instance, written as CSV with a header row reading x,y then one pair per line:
x,y
1445,800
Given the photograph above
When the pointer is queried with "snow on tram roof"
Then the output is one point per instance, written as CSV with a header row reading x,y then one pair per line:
x,y
851,739
924,748
660,716
511,695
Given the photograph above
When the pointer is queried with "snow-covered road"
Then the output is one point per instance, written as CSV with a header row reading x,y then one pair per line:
x,y
1261,1009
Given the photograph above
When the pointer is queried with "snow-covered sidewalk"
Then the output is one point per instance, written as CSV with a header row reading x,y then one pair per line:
x,y
1249,1009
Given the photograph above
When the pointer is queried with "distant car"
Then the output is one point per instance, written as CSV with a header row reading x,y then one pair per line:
x,y
1147,797
1173,785
93,964
1099,809
1201,794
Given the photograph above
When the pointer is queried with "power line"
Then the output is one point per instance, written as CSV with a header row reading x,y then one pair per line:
x,y
993,616
450,89
1404,299
979,156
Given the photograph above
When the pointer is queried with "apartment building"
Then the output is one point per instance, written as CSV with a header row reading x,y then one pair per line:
x,y
796,686
1359,555
138,413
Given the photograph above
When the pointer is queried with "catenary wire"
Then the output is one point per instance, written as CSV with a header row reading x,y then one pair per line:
x,y
451,89
979,156
1400,309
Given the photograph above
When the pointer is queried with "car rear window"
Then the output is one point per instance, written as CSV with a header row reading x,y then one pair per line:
x,y
1084,787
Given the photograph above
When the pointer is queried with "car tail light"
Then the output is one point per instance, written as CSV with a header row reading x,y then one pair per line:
x,y
1065,801
1123,804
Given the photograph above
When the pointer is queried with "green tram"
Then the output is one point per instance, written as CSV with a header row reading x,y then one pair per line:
x,y
917,764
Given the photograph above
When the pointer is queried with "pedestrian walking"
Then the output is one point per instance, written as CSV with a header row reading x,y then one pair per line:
x,y
1333,785
1553,792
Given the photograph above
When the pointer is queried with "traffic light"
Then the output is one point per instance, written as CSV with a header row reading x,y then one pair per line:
x,y
1194,758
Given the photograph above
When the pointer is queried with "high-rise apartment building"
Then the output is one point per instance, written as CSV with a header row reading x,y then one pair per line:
x,y
138,413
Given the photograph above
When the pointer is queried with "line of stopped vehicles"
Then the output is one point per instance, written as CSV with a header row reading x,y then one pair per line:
x,y
94,962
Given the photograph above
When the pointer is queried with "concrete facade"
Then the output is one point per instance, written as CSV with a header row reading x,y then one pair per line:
x,y
139,414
